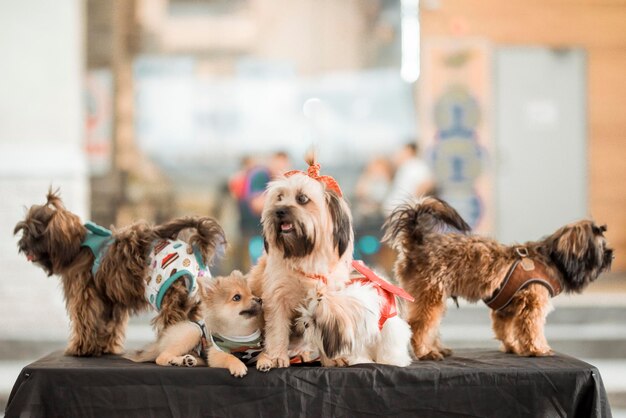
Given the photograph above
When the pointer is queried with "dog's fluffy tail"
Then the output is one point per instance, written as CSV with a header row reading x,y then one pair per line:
x,y
148,353
410,222
208,236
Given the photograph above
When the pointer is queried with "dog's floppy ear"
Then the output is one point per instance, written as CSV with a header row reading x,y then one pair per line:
x,y
331,324
266,233
64,235
598,230
333,339
19,226
342,223
572,250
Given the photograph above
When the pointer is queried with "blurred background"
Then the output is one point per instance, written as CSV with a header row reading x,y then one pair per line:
x,y
150,109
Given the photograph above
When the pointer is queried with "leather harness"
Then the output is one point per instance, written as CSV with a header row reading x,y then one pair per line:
x,y
522,272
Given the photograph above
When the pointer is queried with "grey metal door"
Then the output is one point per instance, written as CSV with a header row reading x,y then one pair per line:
x,y
540,141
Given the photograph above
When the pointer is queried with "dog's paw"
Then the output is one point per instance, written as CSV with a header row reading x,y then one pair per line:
x,y
264,363
79,351
237,369
432,355
114,347
537,353
189,361
336,362
283,361
326,362
308,356
445,351
71,351
534,350
344,362
181,361
507,348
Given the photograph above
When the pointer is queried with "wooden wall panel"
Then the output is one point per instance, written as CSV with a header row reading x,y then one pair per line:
x,y
598,26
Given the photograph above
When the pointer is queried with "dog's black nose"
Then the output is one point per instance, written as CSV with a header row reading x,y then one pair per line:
x,y
608,254
281,212
258,300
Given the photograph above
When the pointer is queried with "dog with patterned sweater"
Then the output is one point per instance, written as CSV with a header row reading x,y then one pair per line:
x,y
106,274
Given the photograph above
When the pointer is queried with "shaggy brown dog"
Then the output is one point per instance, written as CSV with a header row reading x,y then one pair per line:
x,y
437,260
99,305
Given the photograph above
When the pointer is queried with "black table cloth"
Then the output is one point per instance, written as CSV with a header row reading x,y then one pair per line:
x,y
471,383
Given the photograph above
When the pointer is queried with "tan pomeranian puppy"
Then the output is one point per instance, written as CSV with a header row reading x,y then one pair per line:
x,y
229,337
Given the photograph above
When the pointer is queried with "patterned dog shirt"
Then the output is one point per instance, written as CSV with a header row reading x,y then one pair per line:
x,y
245,348
170,260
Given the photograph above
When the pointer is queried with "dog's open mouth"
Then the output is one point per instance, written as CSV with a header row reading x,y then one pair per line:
x,y
31,257
286,227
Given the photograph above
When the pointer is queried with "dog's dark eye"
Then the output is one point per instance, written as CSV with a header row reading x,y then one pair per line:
x,y
237,298
279,197
302,199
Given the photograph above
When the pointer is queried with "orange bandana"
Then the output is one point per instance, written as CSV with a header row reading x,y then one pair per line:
x,y
314,172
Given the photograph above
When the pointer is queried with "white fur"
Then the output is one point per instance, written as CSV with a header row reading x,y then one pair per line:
x,y
356,309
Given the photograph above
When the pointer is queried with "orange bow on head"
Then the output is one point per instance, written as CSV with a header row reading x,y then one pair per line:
x,y
314,172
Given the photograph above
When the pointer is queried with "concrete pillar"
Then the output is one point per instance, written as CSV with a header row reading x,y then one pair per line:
x,y
41,145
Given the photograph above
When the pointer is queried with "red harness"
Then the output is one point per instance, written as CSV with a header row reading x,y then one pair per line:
x,y
386,291
388,308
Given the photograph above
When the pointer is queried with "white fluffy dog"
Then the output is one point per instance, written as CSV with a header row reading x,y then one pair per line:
x,y
307,227
349,326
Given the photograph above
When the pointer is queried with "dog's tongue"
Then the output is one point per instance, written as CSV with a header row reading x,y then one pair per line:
x,y
30,257
286,226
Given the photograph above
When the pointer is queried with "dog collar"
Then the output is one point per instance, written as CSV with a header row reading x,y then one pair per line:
x,y
255,336
313,276
522,272
98,239
238,344
202,346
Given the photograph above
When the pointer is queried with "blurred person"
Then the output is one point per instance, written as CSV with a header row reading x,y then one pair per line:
x,y
248,187
371,190
278,164
413,177
237,182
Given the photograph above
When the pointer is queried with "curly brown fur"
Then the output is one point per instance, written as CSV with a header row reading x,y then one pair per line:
x,y
208,235
99,306
434,264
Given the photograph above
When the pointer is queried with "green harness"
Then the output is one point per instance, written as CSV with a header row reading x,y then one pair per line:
x,y
98,240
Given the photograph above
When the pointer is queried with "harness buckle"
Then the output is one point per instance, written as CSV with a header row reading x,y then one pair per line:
x,y
521,251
